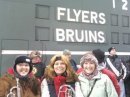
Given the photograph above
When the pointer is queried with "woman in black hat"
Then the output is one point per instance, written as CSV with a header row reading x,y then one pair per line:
x,y
19,81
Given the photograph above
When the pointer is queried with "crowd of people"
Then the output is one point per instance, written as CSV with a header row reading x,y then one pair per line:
x,y
97,76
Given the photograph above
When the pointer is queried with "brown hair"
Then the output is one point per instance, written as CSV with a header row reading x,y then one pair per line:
x,y
70,73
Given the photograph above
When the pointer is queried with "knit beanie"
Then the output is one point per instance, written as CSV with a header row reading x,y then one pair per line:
x,y
22,59
88,57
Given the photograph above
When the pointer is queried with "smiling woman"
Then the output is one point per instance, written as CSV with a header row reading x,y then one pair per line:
x,y
23,69
22,66
59,67
58,73
92,83
19,80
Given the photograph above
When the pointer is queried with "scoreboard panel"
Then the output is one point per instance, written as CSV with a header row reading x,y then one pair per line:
x,y
51,26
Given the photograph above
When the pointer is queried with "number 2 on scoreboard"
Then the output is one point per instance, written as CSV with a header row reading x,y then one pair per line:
x,y
124,4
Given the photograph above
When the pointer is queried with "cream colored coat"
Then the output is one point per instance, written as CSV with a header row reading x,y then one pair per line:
x,y
102,88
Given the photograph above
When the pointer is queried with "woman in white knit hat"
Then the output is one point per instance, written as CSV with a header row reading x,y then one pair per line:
x,y
93,83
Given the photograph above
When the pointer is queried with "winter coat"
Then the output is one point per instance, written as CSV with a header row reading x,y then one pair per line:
x,y
44,89
48,89
73,64
103,86
111,75
8,81
39,69
118,64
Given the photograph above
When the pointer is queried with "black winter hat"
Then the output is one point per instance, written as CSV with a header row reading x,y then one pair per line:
x,y
99,54
23,59
109,50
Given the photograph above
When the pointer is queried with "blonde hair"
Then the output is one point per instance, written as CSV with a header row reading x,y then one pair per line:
x,y
69,73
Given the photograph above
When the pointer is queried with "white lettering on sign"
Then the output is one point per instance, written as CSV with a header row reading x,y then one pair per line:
x,y
124,4
70,35
60,12
84,16
81,16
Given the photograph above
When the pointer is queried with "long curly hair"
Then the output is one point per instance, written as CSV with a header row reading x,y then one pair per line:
x,y
69,73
